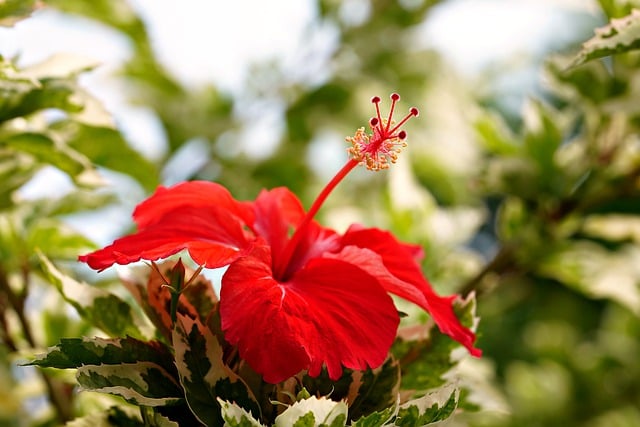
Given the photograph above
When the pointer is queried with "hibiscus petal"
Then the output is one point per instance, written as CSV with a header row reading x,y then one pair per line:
x,y
399,273
213,237
277,211
330,313
188,197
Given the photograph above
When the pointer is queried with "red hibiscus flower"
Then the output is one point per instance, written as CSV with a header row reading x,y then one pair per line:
x,y
294,301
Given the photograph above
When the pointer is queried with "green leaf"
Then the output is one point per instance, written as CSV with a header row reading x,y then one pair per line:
x,y
542,138
45,150
140,383
24,95
75,352
116,13
12,11
619,36
15,171
56,239
99,307
106,147
433,407
70,203
204,376
494,135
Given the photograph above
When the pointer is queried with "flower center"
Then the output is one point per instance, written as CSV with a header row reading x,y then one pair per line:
x,y
374,151
377,150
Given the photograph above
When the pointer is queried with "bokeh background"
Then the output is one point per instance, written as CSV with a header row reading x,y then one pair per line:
x,y
520,179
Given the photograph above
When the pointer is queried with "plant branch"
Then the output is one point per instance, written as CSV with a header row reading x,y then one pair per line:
x,y
503,261
55,389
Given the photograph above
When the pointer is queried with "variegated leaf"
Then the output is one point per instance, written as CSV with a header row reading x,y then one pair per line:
x,y
204,376
235,416
140,383
377,389
430,408
314,412
76,352
378,418
620,35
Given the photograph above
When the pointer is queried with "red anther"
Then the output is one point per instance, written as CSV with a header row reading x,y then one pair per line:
x,y
414,111
374,121
395,97
402,134
375,99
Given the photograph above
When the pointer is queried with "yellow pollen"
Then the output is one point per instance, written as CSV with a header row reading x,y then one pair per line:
x,y
375,151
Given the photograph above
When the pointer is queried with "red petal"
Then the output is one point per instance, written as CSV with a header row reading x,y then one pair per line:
x,y
401,275
188,197
330,313
276,212
213,237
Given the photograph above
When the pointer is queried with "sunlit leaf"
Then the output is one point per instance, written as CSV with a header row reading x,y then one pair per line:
x,y
619,36
43,148
15,171
56,239
597,272
106,147
12,11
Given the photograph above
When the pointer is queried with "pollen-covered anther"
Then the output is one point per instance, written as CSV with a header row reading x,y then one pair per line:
x,y
377,150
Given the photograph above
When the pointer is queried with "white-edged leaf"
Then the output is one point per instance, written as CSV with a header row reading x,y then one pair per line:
x,y
203,375
432,407
76,352
236,416
140,383
320,411
381,418
597,271
619,36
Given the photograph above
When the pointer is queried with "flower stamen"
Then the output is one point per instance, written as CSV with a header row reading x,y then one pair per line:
x,y
377,150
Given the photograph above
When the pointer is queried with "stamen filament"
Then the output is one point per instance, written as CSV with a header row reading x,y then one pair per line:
x,y
280,270
394,98
412,113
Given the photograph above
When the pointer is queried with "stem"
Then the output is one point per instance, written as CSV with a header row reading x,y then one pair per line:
x,y
55,389
280,269
500,263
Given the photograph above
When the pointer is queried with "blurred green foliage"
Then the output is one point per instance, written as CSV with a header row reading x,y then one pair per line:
x,y
541,219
